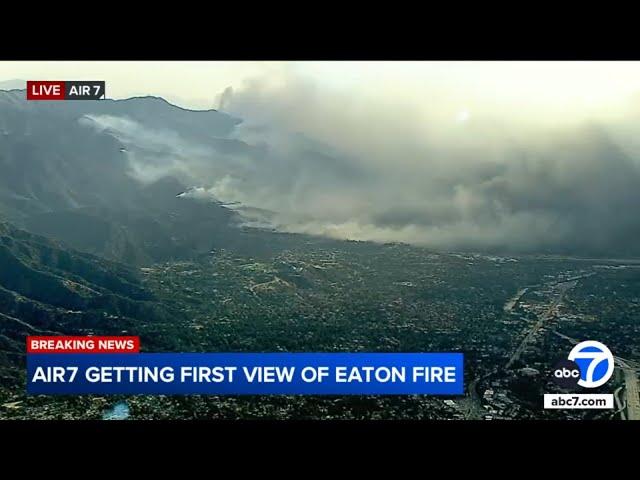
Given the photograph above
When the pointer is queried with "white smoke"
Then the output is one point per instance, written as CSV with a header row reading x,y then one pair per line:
x,y
448,175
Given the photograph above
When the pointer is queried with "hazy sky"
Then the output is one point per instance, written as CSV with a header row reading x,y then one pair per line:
x,y
561,89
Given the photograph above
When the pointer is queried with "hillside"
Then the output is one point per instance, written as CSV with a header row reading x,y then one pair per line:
x,y
48,289
65,177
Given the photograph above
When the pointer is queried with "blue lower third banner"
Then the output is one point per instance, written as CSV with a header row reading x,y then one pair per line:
x,y
246,373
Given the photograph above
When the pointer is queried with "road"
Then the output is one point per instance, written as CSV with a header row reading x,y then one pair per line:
x,y
472,404
621,406
564,287
632,399
548,314
573,341
508,307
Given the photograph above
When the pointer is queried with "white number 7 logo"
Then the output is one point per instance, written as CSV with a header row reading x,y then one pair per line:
x,y
598,354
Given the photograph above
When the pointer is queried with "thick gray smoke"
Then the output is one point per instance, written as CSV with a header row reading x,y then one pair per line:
x,y
224,98
329,162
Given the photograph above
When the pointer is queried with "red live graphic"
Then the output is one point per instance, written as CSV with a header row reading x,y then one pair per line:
x,y
116,344
45,90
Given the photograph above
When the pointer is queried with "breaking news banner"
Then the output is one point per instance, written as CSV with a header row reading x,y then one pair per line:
x,y
66,90
88,365
74,344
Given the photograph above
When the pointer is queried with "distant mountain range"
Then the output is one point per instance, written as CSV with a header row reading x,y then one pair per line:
x,y
13,84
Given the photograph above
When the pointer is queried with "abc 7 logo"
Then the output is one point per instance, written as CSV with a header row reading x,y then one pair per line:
x,y
590,364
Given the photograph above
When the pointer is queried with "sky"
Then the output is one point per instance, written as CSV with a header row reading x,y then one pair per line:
x,y
529,156
562,89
